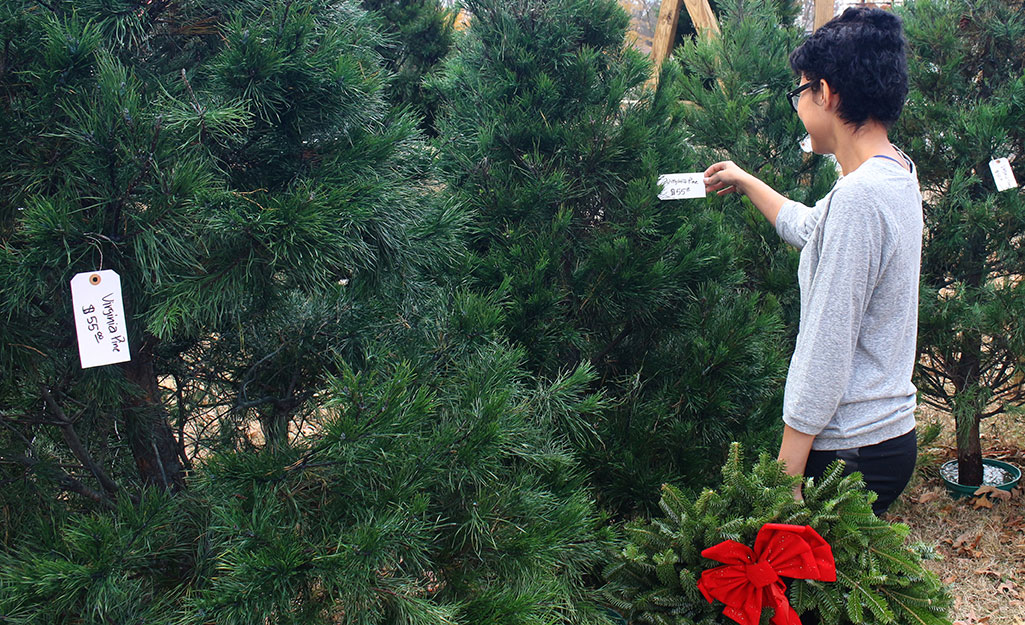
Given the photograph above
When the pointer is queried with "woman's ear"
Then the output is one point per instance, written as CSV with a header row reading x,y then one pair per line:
x,y
829,98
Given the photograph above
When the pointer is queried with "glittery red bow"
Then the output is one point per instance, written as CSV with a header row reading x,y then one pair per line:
x,y
751,578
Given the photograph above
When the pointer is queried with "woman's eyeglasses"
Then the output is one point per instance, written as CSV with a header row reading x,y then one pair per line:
x,y
794,96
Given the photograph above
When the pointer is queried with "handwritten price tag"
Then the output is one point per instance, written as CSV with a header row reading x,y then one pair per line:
x,y
681,186
1003,175
99,318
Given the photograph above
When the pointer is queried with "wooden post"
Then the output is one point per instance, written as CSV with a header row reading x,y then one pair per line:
x,y
665,33
669,17
824,11
703,18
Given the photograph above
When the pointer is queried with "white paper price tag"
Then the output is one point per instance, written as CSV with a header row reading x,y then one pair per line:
x,y
1003,175
681,186
99,318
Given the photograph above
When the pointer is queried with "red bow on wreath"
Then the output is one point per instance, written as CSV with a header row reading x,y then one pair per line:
x,y
751,578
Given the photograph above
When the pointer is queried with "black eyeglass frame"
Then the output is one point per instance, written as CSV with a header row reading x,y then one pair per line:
x,y
794,95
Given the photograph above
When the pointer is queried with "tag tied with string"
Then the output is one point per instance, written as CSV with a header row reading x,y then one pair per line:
x,y
99,318
1003,175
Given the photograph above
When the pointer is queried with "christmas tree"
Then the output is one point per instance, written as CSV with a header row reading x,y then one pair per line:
x,y
733,86
316,424
222,163
551,138
878,578
966,107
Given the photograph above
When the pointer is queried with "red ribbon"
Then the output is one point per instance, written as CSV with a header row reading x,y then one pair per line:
x,y
751,580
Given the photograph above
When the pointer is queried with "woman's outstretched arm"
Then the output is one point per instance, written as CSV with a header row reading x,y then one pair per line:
x,y
727,177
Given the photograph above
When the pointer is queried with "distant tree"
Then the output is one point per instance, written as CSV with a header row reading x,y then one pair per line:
x,y
643,21
966,107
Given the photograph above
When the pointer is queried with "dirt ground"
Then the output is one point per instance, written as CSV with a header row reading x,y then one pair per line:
x,y
981,550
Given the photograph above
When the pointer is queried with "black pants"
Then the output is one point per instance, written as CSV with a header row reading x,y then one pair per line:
x,y
886,466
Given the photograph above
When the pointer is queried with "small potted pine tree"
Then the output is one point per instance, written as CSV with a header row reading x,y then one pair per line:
x,y
965,109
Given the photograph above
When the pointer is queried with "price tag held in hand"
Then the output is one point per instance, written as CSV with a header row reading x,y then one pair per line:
x,y
99,318
681,186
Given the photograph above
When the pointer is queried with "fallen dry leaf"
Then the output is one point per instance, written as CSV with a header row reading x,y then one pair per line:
x,y
965,544
929,496
1008,588
981,502
993,492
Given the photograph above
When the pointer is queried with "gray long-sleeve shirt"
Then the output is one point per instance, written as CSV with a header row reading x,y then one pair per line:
x,y
849,381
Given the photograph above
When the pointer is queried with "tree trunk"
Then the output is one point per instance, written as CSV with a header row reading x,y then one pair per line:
x,y
967,408
274,425
969,453
150,435
968,413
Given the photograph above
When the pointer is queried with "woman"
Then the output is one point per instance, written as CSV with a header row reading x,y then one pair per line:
x,y
848,392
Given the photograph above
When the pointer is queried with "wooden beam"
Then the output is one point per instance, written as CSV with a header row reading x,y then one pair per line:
x,y
665,33
702,17
824,11
665,30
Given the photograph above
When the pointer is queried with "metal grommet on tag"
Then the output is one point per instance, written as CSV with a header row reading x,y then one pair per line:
x,y
95,279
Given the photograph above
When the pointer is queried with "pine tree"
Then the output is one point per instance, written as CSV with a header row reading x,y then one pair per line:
x,y
733,87
223,161
551,138
286,262
966,107
427,495
879,578
421,34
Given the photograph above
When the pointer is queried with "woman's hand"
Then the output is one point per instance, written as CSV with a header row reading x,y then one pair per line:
x,y
726,177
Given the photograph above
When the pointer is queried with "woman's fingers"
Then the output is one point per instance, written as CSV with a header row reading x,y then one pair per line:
x,y
719,178
720,188
714,167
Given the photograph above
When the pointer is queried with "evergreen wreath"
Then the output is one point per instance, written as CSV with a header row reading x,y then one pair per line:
x,y
880,579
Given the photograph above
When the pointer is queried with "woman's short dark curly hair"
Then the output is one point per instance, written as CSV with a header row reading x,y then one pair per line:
x,y
862,55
